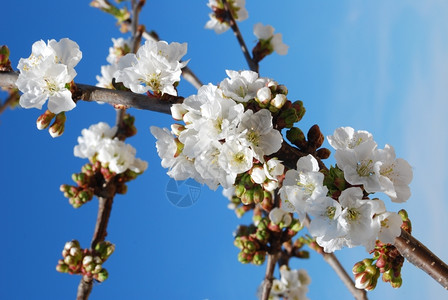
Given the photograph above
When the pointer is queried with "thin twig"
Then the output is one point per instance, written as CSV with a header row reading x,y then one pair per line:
x,y
420,256
252,64
84,288
269,275
99,235
11,99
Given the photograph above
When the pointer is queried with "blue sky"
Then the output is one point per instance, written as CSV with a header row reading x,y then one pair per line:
x,y
379,66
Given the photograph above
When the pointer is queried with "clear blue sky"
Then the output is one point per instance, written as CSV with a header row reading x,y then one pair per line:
x,y
380,66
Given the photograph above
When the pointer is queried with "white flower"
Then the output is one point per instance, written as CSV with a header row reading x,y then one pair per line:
x,y
390,227
111,152
357,218
107,75
305,183
278,215
257,174
180,166
345,138
239,12
273,168
212,174
46,74
119,156
395,175
235,158
49,84
156,66
242,86
209,119
326,223
258,133
91,139
120,48
266,34
377,170
215,24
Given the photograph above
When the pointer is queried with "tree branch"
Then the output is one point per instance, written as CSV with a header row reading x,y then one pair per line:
x,y
99,235
252,64
334,263
92,93
13,96
84,288
420,256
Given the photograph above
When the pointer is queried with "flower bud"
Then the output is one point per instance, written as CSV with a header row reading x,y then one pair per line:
x,y
278,101
366,274
105,249
57,128
257,174
247,197
264,95
262,235
300,110
282,89
267,202
178,111
297,137
259,258
258,194
323,153
315,137
44,120
5,63
62,267
4,54
102,275
244,257
406,226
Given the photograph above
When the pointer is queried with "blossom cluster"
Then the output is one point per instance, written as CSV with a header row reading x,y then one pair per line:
x,y
156,66
47,74
293,284
349,218
99,144
378,170
220,139
218,20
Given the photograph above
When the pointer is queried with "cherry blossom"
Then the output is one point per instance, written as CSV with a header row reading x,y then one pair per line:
x,y
155,67
47,73
268,39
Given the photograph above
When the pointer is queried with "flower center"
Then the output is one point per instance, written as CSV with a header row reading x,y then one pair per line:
x,y
239,157
152,80
253,137
330,212
353,214
307,187
364,169
51,86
